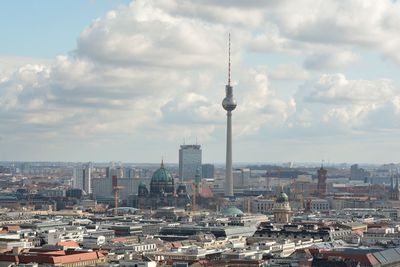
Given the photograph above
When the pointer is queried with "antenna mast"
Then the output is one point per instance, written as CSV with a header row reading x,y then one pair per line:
x,y
229,62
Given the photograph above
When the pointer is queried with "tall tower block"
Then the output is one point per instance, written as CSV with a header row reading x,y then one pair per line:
x,y
321,186
189,161
229,104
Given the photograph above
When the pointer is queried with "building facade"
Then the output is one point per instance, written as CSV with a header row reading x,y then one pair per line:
x,y
394,188
319,205
241,177
189,161
281,210
357,173
262,205
83,178
321,186
162,192
207,170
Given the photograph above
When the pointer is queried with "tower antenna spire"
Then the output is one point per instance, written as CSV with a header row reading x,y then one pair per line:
x,y
229,61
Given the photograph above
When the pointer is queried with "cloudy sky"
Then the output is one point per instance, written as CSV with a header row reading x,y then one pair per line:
x,y
103,80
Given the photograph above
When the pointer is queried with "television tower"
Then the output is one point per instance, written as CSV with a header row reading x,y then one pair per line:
x,y
229,104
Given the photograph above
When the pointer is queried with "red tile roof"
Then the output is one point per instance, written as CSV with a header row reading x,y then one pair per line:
x,y
55,257
12,227
69,244
365,259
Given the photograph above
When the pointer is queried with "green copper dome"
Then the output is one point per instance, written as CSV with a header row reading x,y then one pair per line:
x,y
162,175
232,211
282,198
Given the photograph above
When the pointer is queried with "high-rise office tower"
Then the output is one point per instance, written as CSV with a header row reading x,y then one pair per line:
x,y
207,170
229,104
189,161
83,178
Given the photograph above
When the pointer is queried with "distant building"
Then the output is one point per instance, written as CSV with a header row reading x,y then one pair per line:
x,y
83,178
241,177
115,171
162,192
302,232
131,173
321,186
127,179
102,187
54,236
207,170
357,173
394,188
261,205
189,161
281,210
319,205
74,193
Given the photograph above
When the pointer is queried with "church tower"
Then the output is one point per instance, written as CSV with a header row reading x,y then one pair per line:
x,y
281,210
321,186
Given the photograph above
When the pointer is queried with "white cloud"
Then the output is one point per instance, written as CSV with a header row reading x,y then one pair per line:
x,y
156,71
233,14
260,106
337,102
330,60
289,72
337,89
308,25
146,35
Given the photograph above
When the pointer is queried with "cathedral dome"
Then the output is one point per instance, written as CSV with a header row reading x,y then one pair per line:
x,y
162,175
282,198
162,182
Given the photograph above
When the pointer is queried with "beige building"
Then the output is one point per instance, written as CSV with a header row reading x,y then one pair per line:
x,y
262,205
281,210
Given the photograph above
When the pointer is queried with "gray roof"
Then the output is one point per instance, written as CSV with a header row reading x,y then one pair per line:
x,y
388,256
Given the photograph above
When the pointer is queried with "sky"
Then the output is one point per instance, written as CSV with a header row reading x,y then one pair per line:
x,y
103,80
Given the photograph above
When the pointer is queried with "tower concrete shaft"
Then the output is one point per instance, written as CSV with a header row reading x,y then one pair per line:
x,y
228,175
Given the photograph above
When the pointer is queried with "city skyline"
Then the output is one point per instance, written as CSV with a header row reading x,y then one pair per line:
x,y
128,81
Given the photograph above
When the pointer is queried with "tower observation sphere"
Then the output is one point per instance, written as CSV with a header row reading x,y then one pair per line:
x,y
229,103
